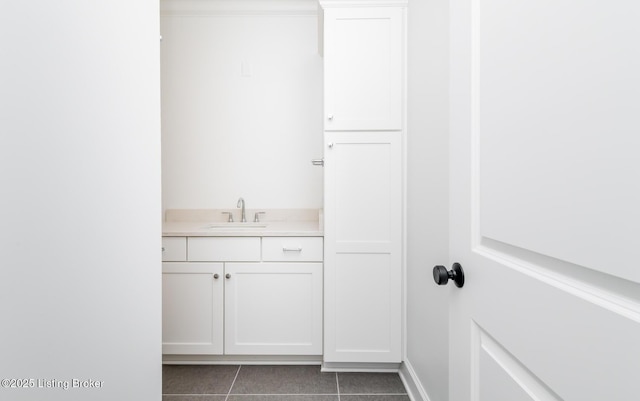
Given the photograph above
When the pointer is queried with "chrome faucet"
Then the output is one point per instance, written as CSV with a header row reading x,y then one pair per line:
x,y
241,204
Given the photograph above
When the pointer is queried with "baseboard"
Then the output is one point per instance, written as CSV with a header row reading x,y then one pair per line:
x,y
242,359
360,367
414,387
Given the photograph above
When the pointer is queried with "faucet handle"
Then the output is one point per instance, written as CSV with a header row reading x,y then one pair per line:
x,y
230,219
256,217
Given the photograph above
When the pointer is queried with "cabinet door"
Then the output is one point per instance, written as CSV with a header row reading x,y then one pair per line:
x,y
192,308
363,214
363,68
273,308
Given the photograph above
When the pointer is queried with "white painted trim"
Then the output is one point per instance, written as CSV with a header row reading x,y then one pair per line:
x,y
583,289
242,359
363,3
412,384
405,186
204,8
360,367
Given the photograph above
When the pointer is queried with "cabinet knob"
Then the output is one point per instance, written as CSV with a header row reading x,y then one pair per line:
x,y
228,275
330,117
216,276
330,145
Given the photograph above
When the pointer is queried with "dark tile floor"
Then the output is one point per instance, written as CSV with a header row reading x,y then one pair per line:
x,y
276,383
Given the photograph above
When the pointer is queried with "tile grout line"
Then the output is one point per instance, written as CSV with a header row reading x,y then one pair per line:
x,y
378,394
338,385
233,383
364,394
287,394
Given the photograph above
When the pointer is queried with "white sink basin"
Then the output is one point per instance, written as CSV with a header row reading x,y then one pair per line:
x,y
234,226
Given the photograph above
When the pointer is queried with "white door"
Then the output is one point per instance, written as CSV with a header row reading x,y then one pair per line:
x,y
545,194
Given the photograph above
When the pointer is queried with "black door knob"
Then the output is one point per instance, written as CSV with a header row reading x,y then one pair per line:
x,y
441,276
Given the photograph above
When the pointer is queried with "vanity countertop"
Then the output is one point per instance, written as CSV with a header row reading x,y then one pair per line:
x,y
213,223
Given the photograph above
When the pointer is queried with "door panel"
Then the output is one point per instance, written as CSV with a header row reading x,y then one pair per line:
x,y
500,376
544,195
363,179
552,81
364,286
568,340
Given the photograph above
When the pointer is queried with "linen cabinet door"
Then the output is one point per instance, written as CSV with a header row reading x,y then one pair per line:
x,y
192,308
363,68
273,308
363,214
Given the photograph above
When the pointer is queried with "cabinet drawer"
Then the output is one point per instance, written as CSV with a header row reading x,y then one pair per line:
x,y
295,249
174,249
224,249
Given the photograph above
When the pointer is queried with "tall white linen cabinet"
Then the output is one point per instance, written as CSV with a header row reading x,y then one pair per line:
x,y
363,45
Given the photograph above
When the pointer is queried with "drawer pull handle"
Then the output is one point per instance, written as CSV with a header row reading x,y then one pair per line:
x,y
285,249
216,276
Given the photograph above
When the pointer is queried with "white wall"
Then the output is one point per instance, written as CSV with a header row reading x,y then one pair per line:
x,y
80,204
427,195
226,135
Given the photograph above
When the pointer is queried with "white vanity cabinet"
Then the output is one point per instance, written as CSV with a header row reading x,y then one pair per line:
x,y
244,296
